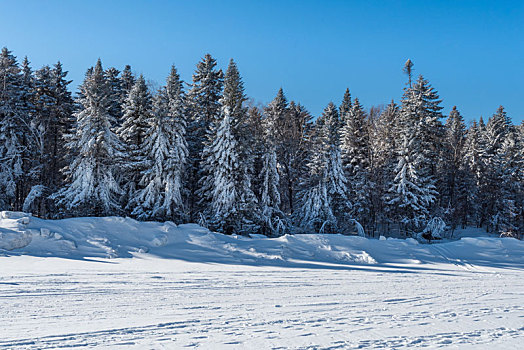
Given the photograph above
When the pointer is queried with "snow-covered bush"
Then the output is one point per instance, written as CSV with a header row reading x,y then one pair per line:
x,y
511,234
359,228
435,229
36,192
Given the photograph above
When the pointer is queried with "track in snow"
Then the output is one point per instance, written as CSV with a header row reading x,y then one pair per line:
x,y
161,303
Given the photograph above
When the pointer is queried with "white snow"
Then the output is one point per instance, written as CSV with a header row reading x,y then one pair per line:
x,y
114,282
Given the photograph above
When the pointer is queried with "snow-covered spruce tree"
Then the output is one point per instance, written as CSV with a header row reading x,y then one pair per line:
x,y
408,197
222,154
510,198
324,205
178,114
26,105
160,196
234,97
41,123
432,132
52,120
246,207
387,134
355,155
295,148
274,222
457,182
345,107
314,213
133,132
384,146
275,115
474,160
116,94
337,190
520,174
127,81
497,128
203,111
14,128
501,145
292,125
488,141
257,128
412,193
91,189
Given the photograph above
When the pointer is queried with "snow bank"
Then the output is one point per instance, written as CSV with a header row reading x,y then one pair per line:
x,y
112,237
12,230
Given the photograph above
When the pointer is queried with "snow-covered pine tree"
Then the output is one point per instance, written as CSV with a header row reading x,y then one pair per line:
x,y
408,198
314,213
299,125
387,133
412,193
116,94
277,109
64,107
323,196
432,132
203,110
26,105
497,128
337,182
345,107
456,178
273,220
52,120
178,114
42,123
160,196
494,194
474,161
224,198
275,116
133,132
127,81
384,147
355,154
510,197
257,128
293,123
91,189
234,97
246,208
519,174
14,127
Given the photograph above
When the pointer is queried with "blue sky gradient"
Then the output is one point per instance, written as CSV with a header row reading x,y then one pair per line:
x,y
471,51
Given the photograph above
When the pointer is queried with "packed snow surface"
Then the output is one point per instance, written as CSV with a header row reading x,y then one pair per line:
x,y
118,283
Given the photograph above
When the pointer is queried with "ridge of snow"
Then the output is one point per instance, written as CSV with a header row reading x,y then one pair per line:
x,y
117,237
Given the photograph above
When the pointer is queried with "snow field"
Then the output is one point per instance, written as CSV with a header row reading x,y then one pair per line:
x,y
156,303
118,283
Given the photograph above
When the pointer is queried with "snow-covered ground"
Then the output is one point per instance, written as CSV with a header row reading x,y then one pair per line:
x,y
115,283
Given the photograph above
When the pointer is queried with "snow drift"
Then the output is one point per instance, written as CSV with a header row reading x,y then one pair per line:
x,y
116,237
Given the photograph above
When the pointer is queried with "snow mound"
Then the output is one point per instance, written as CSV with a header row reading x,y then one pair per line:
x,y
10,240
117,237
12,230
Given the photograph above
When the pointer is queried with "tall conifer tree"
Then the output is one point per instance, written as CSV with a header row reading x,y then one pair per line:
x,y
133,132
91,188
203,103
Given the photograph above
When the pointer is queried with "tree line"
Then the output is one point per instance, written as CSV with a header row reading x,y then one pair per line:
x,y
200,152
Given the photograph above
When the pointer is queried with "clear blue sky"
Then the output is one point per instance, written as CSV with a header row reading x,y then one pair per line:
x,y
471,51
